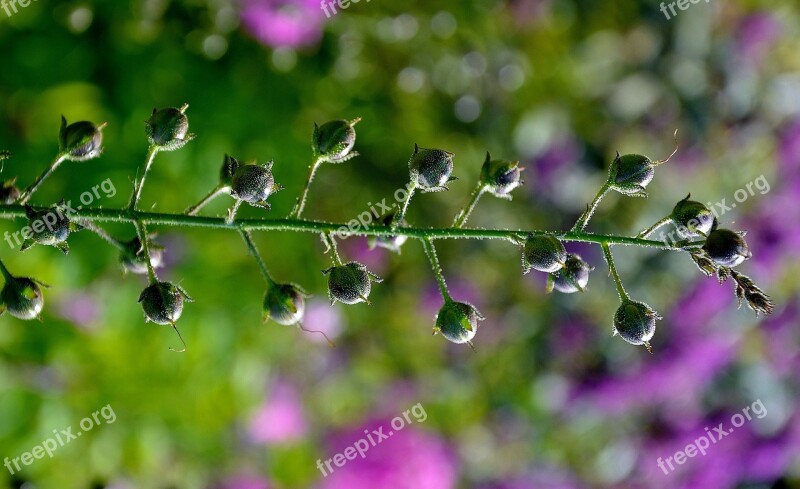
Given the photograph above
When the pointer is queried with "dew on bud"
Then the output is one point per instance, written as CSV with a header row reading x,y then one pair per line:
x,y
350,283
133,260
254,184
80,141
50,227
431,169
726,247
457,322
573,277
392,243
22,297
168,129
284,304
500,177
635,322
693,219
543,253
632,173
333,141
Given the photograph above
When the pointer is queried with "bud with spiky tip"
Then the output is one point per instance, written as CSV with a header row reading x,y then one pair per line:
x,y
162,303
635,322
284,304
168,129
431,169
392,243
572,277
333,141
350,283
630,174
727,248
132,257
457,322
21,297
254,184
80,141
226,172
693,219
543,253
50,227
9,193
500,177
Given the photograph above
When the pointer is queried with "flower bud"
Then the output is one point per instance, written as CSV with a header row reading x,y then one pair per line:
x,y
22,298
500,177
132,257
168,129
80,141
543,253
162,302
229,167
457,321
284,304
350,283
333,141
431,169
632,173
727,248
573,277
254,184
693,219
391,243
9,193
50,227
635,322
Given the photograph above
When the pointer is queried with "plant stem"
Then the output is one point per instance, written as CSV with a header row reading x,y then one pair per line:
x,y
623,296
330,241
647,232
301,201
215,192
28,193
141,230
103,234
584,219
398,218
463,216
248,239
430,251
152,151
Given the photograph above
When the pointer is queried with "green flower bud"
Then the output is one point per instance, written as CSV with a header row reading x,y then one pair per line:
x,y
50,227
350,283
431,169
693,219
254,184
635,322
22,298
284,304
168,129
80,141
727,248
391,243
573,277
132,257
500,177
457,321
333,141
543,253
630,174
162,302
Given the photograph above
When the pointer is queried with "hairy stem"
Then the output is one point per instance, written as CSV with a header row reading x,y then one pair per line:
x,y
152,151
647,232
103,234
330,242
28,192
248,239
301,201
398,218
141,230
430,251
463,216
623,296
215,192
586,216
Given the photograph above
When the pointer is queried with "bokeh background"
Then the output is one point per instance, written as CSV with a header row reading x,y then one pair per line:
x,y
549,399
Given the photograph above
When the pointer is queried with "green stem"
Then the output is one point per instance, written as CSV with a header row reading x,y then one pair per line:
x,y
141,230
623,296
398,218
215,192
28,193
430,251
647,232
301,201
152,151
248,239
584,219
330,241
103,234
6,274
463,216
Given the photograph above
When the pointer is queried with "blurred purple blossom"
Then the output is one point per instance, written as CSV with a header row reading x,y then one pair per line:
x,y
283,23
82,310
281,418
756,35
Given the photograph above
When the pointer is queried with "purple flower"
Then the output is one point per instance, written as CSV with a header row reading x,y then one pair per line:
x,y
81,310
283,23
281,417
756,35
